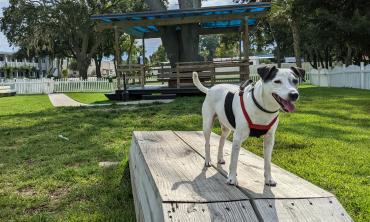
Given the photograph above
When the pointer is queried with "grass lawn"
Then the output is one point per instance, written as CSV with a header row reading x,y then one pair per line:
x,y
89,98
46,178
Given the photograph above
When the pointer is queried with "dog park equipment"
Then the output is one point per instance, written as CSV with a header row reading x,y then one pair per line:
x,y
6,91
170,183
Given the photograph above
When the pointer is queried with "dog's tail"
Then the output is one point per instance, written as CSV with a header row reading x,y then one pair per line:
x,y
198,84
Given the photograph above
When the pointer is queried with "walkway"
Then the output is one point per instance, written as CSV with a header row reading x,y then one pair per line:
x,y
61,100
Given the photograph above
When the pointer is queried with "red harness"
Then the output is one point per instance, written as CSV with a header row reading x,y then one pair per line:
x,y
255,128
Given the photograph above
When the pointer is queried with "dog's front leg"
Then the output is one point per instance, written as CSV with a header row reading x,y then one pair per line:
x,y
237,141
268,146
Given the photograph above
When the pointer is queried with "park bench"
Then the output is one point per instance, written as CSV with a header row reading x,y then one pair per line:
x,y
170,183
6,91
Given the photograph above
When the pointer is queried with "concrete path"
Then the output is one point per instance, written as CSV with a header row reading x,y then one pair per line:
x,y
62,100
138,102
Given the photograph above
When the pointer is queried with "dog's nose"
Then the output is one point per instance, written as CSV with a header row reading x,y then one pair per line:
x,y
293,96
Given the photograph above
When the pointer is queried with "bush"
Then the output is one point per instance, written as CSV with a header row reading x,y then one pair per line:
x,y
65,73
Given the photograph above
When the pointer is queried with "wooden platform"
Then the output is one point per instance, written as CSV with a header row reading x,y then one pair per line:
x,y
170,183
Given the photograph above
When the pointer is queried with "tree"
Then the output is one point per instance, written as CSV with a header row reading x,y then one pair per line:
x,y
61,28
208,45
158,56
288,12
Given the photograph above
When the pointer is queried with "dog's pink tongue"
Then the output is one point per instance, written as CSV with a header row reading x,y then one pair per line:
x,y
290,107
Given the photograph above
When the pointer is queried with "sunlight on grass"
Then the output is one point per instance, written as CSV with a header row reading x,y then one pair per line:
x,y
89,98
46,178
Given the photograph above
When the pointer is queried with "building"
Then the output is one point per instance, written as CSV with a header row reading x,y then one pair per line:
x,y
12,67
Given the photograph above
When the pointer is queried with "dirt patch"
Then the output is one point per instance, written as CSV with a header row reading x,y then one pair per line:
x,y
27,191
35,209
58,193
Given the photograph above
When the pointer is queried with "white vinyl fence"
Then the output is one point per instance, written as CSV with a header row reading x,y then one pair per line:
x,y
351,77
89,85
46,86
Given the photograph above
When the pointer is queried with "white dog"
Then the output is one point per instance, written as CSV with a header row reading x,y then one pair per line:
x,y
249,111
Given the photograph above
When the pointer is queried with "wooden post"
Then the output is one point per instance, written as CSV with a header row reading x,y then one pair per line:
x,y
178,75
213,75
143,65
245,75
118,59
143,53
142,70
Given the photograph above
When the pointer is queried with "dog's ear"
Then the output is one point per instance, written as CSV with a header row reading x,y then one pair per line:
x,y
267,73
299,72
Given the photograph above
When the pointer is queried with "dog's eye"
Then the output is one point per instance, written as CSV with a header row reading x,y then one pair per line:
x,y
295,81
277,81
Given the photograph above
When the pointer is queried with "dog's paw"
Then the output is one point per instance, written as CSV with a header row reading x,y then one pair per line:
x,y
208,164
221,161
232,181
270,183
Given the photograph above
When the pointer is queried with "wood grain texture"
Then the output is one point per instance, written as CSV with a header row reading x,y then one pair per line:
x,y
170,183
223,211
148,205
178,173
250,172
311,209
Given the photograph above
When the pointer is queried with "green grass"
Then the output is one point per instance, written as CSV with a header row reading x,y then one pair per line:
x,y
89,98
45,178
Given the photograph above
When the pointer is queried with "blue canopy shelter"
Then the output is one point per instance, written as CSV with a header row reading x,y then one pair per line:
x,y
207,20
211,20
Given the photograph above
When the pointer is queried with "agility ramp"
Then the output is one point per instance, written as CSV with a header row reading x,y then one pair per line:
x,y
170,183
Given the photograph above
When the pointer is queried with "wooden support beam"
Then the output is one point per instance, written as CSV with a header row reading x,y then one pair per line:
x,y
117,57
178,21
245,75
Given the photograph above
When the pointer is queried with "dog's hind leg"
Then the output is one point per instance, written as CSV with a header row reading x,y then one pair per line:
x,y
209,117
224,134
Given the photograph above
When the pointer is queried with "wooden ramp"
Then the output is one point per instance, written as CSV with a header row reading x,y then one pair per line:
x,y
170,183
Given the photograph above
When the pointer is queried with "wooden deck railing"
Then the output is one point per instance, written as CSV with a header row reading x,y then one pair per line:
x,y
181,75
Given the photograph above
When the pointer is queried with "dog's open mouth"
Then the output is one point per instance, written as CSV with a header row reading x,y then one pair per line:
x,y
286,105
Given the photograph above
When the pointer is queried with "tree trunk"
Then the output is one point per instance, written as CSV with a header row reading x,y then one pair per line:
x,y
180,45
189,47
97,60
83,65
348,60
327,57
296,42
278,54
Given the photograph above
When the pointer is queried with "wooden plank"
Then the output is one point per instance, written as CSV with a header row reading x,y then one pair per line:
x,y
178,172
250,172
222,211
148,205
289,210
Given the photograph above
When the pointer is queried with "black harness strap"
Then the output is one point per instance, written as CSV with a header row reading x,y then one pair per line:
x,y
258,105
229,108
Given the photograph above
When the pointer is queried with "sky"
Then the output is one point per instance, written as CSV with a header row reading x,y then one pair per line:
x,y
151,45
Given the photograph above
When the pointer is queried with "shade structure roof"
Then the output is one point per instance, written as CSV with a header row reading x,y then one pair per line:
x,y
210,19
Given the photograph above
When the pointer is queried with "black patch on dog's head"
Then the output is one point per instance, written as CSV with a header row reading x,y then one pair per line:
x,y
267,73
298,72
